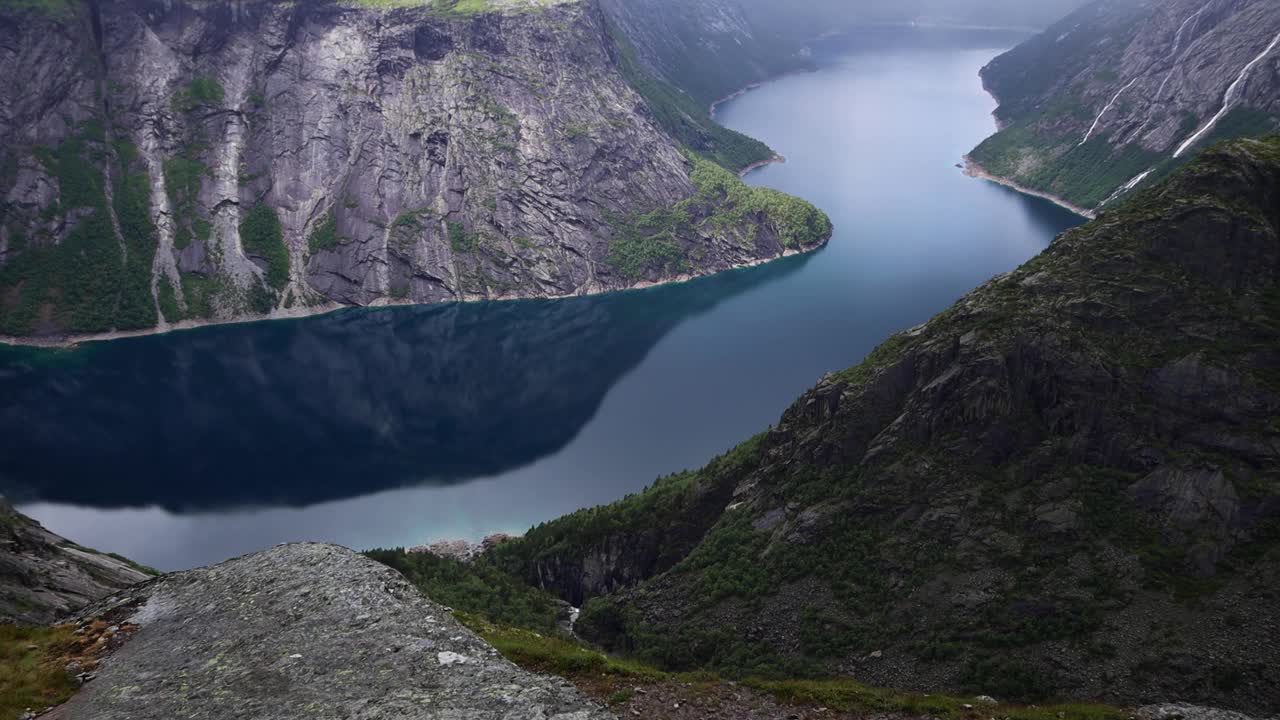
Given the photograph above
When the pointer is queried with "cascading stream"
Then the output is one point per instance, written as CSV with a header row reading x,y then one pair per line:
x,y
1177,47
1228,99
1105,109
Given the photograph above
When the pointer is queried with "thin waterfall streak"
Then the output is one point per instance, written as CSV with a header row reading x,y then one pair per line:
x,y
1105,109
1177,47
1228,98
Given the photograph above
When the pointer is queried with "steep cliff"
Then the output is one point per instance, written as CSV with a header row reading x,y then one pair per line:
x,y
212,161
1123,91
708,48
1068,484
44,577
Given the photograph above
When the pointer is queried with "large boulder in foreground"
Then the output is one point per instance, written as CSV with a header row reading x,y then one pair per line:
x,y
306,631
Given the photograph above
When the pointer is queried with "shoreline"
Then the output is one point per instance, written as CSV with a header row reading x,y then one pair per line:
x,y
715,105
777,159
974,170
1000,124
65,342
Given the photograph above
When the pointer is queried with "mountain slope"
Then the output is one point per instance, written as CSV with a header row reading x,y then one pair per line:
x,y
1068,484
44,577
1121,92
209,161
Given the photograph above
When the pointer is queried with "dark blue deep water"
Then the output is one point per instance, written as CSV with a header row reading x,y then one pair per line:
x,y
399,426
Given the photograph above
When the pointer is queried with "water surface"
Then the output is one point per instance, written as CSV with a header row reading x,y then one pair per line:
x,y
400,426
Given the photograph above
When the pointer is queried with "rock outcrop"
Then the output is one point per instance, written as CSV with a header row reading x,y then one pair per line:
x,y
312,631
1067,484
1122,92
188,162
44,576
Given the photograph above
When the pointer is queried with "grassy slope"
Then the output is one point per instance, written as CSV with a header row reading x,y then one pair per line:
x,y
498,608
647,244
31,668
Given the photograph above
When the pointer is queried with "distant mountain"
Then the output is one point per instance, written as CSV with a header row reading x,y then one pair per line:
x,y
1068,484
1123,91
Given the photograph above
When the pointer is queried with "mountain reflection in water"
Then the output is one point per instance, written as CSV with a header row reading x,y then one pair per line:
x,y
300,412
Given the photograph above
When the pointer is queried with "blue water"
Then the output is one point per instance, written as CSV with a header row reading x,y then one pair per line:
x,y
400,426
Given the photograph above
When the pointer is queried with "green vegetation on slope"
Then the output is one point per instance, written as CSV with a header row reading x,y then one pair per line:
x,y
55,8
1040,85
31,669
478,588
202,91
615,679
647,244
669,517
894,487
684,118
262,237
797,222
324,236
1084,175
183,176
77,275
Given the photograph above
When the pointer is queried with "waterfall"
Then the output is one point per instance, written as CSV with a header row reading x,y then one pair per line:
x,y
1177,46
1127,186
1105,109
1228,98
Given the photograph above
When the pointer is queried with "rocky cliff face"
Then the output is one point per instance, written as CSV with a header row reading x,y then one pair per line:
x,y
44,577
311,631
708,48
1064,485
210,161
1123,91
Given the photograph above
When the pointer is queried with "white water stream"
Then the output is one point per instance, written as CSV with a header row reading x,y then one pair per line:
x,y
1177,47
1228,99
1105,109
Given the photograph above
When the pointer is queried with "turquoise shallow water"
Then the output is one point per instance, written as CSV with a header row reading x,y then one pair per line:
x,y
399,426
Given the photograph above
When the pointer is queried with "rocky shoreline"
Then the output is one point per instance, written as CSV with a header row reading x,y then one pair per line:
x,y
72,340
974,170
775,160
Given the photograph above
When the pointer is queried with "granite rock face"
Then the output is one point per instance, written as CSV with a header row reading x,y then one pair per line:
x,y
212,161
1121,92
44,576
308,630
